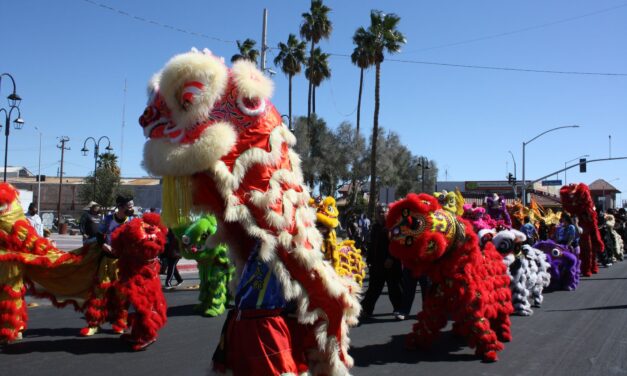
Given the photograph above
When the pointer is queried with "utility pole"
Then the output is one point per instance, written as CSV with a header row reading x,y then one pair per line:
x,y
264,45
123,124
62,141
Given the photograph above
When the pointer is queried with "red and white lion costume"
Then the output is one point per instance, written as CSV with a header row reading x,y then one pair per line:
x,y
220,145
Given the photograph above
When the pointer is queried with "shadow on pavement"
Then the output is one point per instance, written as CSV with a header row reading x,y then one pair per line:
x,y
51,332
395,352
182,310
77,346
603,308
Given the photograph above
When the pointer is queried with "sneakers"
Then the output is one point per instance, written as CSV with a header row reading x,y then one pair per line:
x,y
117,329
399,316
89,331
142,345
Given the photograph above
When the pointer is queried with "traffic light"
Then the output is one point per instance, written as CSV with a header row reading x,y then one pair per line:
x,y
511,179
582,165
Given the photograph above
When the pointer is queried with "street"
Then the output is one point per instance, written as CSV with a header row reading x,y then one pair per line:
x,y
574,333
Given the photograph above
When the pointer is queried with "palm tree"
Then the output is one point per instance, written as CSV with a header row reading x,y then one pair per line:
x,y
363,58
317,71
315,26
109,161
290,59
247,51
383,38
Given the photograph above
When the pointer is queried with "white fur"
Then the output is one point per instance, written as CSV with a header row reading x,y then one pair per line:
x,y
163,158
192,66
250,82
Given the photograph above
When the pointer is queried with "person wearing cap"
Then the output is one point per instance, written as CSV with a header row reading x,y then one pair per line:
x,y
106,302
90,222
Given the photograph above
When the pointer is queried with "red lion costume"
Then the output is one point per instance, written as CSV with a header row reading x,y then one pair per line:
x,y
470,285
577,201
138,243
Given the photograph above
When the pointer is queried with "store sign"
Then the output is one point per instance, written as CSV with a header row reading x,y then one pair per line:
x,y
501,185
548,183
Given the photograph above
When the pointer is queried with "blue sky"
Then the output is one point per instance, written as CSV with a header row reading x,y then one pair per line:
x,y
70,60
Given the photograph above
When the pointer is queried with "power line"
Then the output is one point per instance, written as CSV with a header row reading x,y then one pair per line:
x,y
522,30
157,23
512,69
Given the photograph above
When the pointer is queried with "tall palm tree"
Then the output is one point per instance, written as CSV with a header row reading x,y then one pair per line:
x,y
384,37
317,71
246,51
315,26
362,57
290,59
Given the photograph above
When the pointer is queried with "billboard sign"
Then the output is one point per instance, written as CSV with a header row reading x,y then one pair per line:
x,y
495,185
548,183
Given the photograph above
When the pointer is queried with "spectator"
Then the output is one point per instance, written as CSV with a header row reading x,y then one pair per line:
x,y
543,230
383,268
530,231
34,219
172,255
90,222
566,232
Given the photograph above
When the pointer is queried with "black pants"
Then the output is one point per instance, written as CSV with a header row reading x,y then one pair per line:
x,y
172,271
379,276
409,290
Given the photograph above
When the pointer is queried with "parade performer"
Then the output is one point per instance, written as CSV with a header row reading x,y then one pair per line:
x,y
470,285
105,302
452,202
497,210
576,200
137,244
343,256
214,267
29,260
477,217
617,251
564,265
220,146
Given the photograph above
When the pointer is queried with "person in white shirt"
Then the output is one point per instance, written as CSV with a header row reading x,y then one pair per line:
x,y
34,219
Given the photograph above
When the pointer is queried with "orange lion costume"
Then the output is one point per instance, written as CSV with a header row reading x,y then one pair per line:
x,y
470,285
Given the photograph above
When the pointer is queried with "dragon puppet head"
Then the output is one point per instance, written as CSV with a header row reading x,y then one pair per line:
x,y
141,238
509,242
326,212
196,234
197,109
420,230
576,200
10,208
451,201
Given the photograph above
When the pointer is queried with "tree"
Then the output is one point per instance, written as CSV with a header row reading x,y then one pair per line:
x,y
107,179
247,51
317,71
363,57
316,26
383,38
290,59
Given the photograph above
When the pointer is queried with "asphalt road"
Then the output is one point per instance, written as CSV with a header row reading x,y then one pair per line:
x,y
575,333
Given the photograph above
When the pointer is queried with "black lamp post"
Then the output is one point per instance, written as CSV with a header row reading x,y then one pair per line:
x,y
423,163
84,150
14,104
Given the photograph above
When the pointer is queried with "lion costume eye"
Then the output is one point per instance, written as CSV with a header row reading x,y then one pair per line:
x,y
185,239
556,252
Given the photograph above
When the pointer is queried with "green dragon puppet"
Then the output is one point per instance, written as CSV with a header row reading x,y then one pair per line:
x,y
214,268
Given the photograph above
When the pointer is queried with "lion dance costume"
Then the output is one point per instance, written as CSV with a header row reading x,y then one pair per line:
x,y
138,244
343,256
220,146
576,200
470,285
215,270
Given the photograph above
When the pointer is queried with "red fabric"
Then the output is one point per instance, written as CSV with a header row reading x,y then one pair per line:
x,y
259,346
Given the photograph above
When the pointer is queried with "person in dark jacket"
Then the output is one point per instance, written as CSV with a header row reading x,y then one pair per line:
x,y
171,256
383,268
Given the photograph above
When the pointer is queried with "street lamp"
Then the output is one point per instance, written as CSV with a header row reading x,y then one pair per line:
x,y
572,160
39,174
524,144
84,150
14,104
423,163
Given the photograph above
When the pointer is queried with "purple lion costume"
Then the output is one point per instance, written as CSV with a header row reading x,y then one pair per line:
x,y
497,210
564,265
